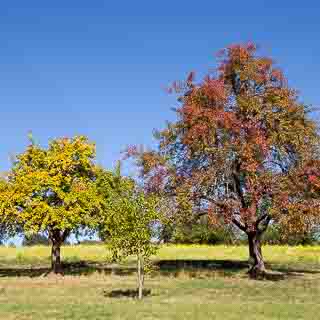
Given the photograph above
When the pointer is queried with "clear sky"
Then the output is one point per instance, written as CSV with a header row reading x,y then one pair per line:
x,y
100,67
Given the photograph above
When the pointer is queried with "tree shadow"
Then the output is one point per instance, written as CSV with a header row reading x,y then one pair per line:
x,y
200,268
126,293
80,268
235,265
161,267
25,272
170,268
275,272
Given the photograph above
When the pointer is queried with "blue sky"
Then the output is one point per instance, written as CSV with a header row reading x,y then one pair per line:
x,y
100,67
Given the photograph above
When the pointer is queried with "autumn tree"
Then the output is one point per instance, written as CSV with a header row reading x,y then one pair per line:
x,y
297,207
238,132
53,190
9,226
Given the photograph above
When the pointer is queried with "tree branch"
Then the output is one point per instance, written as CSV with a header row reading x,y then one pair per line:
x,y
239,224
264,216
264,226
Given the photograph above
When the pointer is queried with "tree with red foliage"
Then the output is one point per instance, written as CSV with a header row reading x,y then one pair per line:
x,y
298,200
238,133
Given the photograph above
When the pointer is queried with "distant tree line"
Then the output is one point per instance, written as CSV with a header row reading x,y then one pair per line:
x,y
203,232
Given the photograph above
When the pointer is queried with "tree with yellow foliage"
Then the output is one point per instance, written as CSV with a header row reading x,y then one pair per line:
x,y
52,190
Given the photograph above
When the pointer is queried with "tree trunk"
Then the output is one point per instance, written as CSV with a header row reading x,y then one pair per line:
x,y
252,250
258,268
55,258
140,277
57,238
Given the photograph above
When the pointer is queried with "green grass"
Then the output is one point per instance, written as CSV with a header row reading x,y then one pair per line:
x,y
219,290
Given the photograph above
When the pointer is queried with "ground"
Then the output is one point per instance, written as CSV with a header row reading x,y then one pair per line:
x,y
192,282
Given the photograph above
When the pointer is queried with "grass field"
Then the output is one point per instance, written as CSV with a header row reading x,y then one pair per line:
x,y
193,282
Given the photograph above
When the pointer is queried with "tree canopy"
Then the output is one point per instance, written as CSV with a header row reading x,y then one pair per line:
x,y
53,190
238,133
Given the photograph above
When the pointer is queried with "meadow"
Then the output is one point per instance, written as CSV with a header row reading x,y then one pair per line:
x,y
189,282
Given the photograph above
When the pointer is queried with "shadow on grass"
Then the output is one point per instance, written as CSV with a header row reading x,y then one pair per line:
x,y
170,268
70,268
128,293
198,268
24,272
234,265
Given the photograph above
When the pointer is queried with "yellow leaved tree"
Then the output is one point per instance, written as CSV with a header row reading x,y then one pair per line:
x,y
52,190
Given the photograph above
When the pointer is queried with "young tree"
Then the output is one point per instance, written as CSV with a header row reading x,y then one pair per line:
x,y
130,226
53,190
238,132
108,184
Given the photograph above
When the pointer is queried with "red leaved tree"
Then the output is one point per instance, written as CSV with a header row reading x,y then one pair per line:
x,y
238,133
297,204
